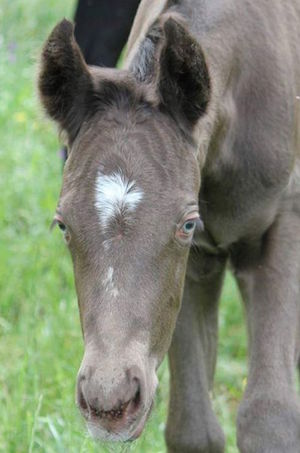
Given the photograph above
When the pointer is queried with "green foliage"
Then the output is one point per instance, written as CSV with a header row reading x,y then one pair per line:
x,y
40,336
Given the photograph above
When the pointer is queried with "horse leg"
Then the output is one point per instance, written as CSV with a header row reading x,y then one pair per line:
x,y
269,416
192,426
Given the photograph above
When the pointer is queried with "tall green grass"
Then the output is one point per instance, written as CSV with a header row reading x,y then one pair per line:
x,y
40,337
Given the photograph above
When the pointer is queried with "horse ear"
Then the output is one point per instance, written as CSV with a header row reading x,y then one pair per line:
x,y
64,79
183,79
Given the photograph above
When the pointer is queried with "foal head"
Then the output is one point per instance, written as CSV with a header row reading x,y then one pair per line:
x,y
128,209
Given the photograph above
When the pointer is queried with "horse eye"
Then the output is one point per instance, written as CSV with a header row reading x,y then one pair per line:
x,y
64,229
61,226
186,231
189,226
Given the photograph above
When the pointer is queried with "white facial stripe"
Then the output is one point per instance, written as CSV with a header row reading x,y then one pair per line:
x,y
108,280
115,194
108,283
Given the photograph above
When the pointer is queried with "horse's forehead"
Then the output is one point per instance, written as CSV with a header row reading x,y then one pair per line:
x,y
116,169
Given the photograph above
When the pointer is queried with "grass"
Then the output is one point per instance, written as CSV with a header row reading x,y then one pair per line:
x,y
40,337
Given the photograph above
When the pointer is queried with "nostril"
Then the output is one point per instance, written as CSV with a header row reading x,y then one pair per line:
x,y
81,378
81,400
137,398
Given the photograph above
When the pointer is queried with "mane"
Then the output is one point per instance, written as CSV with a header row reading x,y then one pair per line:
x,y
145,59
143,63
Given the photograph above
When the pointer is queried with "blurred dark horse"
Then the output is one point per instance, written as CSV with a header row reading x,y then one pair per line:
x,y
102,29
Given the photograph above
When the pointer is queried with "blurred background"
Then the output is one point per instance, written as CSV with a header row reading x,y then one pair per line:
x,y
40,336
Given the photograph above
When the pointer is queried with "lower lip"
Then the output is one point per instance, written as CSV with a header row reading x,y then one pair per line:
x,y
140,426
138,431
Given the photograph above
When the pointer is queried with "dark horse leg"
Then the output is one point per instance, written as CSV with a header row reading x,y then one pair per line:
x,y
192,426
269,416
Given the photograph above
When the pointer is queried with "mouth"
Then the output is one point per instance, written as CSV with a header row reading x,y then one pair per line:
x,y
119,433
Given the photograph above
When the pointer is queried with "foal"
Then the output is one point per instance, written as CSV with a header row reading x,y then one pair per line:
x,y
184,161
